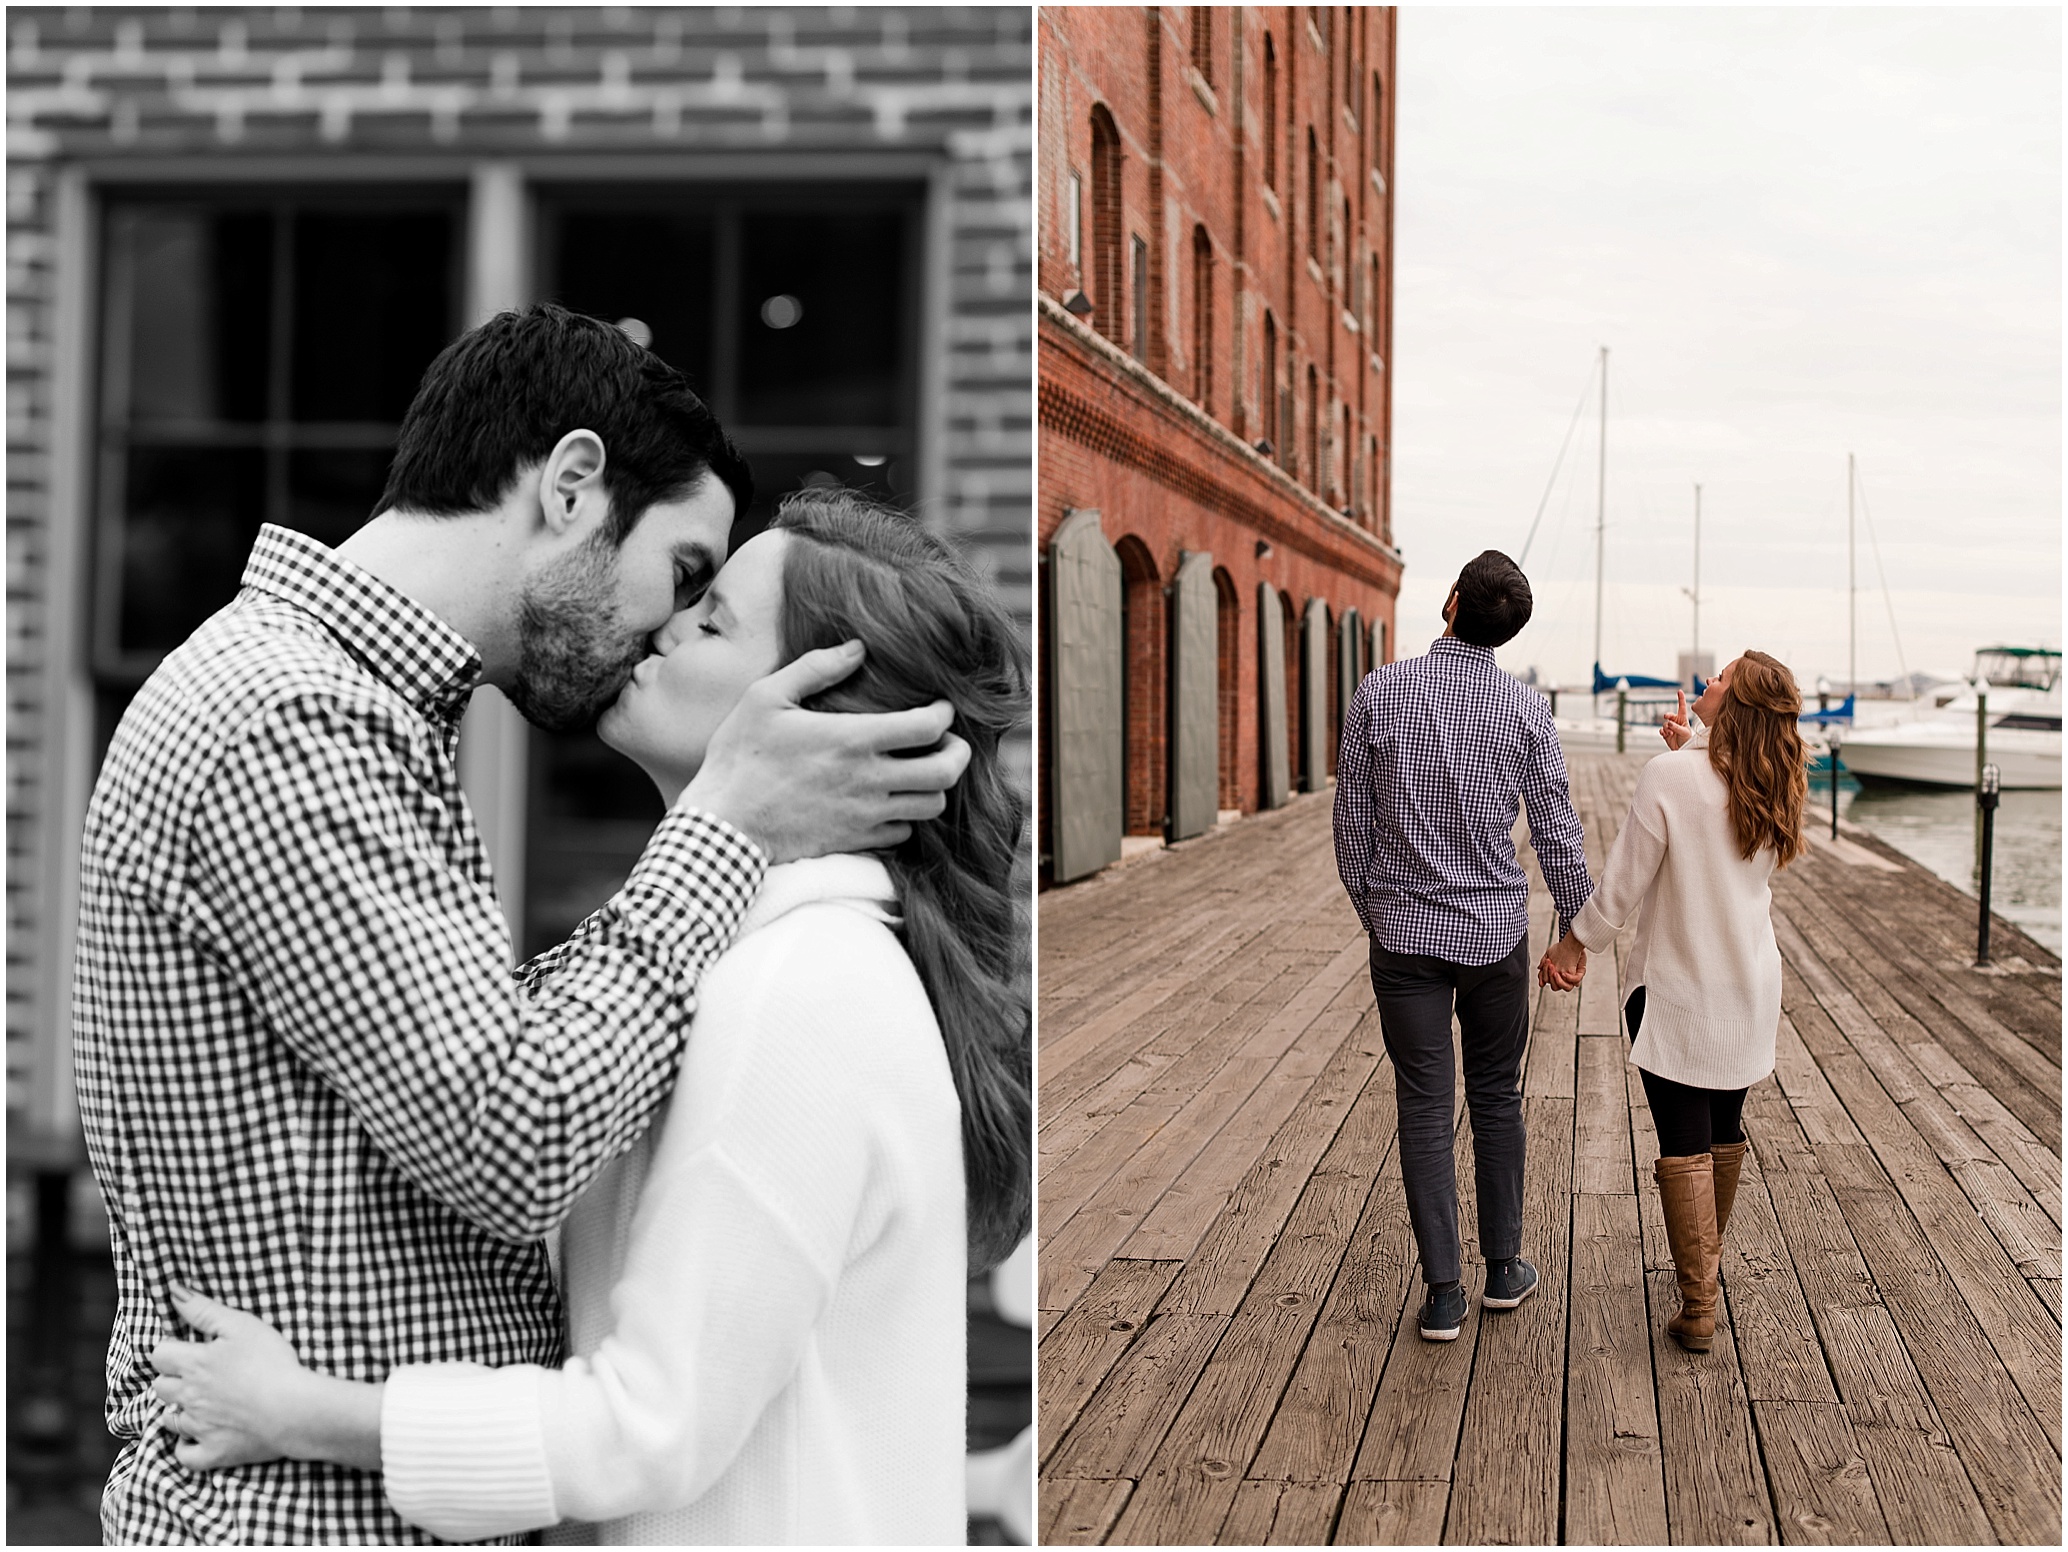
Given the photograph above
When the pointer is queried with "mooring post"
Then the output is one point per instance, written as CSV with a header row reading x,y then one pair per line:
x,y
1622,710
1987,791
1835,769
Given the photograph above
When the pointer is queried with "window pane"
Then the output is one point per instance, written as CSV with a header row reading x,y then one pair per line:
x,y
192,514
373,304
330,493
776,475
821,315
199,311
591,813
650,265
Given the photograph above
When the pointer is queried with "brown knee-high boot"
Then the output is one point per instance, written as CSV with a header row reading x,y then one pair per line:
x,y
1687,1192
1730,1159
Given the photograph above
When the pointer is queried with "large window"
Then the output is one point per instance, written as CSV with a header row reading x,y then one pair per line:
x,y
258,350
794,312
1105,224
1270,114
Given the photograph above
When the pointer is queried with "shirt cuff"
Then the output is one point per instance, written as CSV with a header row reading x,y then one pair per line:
x,y
697,876
463,1452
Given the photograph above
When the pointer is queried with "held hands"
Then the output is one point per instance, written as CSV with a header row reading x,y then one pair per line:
x,y
1564,965
1674,729
809,783
230,1399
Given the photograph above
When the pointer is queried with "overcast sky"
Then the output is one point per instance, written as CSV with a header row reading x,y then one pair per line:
x,y
1801,233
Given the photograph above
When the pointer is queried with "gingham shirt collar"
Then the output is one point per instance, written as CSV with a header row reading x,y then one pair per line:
x,y
401,642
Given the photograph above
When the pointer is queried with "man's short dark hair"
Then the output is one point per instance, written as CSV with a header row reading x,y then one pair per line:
x,y
1493,600
500,397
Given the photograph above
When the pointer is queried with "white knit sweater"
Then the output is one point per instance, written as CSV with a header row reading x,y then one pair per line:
x,y
1705,952
766,1296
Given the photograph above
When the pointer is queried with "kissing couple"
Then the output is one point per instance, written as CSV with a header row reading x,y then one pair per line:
x,y
774,1093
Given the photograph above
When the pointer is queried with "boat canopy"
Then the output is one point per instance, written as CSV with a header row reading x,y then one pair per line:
x,y
2024,668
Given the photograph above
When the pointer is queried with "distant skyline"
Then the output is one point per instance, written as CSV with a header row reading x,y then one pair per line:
x,y
1801,233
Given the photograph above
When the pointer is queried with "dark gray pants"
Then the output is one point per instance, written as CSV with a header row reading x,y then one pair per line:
x,y
1416,996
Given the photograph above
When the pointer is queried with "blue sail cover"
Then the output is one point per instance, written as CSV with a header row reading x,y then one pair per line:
x,y
1842,712
1603,683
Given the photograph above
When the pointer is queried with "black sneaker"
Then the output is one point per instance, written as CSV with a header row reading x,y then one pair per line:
x,y
1443,1313
1508,1283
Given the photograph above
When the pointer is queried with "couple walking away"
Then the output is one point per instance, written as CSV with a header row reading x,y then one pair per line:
x,y
1437,752
777,1088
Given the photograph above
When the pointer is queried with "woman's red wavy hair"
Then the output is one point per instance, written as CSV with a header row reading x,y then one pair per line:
x,y
1757,750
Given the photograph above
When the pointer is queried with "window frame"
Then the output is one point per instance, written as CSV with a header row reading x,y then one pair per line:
x,y
110,437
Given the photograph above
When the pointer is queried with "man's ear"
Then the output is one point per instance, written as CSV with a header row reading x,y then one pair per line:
x,y
571,483
1450,607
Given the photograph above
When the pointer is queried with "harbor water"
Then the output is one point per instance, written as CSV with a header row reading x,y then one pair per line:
x,y
1936,827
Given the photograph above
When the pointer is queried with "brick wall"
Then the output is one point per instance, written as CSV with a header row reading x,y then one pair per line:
x,y
89,84
1159,441
1193,161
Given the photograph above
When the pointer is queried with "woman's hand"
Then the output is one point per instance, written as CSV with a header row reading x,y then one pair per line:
x,y
231,1399
1564,965
1674,729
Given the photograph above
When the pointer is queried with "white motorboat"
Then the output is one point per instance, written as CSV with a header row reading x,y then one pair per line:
x,y
2023,740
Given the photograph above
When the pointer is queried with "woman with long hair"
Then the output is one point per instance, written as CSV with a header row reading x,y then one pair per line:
x,y
1709,824
766,1295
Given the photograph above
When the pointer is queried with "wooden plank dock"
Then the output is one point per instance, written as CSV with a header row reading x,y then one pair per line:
x,y
1228,1283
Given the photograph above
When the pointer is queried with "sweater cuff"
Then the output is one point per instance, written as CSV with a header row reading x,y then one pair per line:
x,y
463,1452
1592,928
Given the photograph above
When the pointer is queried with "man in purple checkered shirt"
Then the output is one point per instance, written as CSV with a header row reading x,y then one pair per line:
x,y
1437,754
312,1085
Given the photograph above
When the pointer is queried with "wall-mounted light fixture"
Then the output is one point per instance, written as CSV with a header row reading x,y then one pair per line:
x,y
1076,303
1263,549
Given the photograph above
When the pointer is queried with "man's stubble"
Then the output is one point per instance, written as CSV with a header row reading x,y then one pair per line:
x,y
572,655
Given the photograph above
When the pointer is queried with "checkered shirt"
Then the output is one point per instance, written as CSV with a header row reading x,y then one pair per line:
x,y
1437,752
311,1084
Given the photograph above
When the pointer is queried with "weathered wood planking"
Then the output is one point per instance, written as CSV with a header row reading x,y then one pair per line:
x,y
1229,1350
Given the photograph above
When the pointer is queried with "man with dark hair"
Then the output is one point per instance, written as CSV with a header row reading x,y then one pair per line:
x,y
1438,752
310,1081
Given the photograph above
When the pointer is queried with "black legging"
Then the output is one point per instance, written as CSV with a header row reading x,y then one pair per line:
x,y
1689,1120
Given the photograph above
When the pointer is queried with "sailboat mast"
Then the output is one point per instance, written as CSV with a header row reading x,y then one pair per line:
x,y
1600,507
1852,591
1696,594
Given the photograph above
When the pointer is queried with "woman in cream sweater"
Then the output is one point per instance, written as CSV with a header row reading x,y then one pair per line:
x,y
1710,823
766,1295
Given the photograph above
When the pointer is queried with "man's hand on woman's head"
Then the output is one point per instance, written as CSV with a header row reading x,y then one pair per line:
x,y
809,783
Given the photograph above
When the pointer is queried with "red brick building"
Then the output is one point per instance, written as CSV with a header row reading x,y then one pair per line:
x,y
1214,326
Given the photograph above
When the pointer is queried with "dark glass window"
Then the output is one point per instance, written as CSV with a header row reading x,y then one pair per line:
x,y
259,349
794,311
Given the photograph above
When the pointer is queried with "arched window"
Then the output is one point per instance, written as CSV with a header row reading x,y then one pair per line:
x,y
1228,643
1313,196
1142,686
1107,282
1202,319
1203,42
1378,123
1350,62
1313,430
1268,389
1270,114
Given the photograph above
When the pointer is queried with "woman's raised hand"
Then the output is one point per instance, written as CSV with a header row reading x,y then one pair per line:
x,y
1674,729
230,1398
